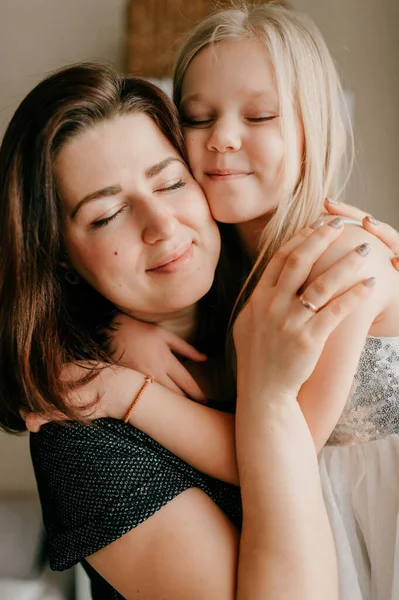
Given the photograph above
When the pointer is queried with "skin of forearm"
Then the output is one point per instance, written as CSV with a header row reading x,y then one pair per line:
x,y
281,495
201,436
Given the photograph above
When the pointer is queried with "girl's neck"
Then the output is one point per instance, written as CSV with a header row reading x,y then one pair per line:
x,y
250,233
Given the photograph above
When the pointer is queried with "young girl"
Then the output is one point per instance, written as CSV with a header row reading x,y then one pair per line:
x,y
260,103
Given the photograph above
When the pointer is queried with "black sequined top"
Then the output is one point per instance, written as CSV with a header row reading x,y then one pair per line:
x,y
97,482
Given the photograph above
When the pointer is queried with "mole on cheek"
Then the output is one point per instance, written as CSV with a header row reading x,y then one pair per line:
x,y
116,252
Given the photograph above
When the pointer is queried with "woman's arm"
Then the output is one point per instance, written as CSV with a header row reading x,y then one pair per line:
x,y
323,397
188,550
278,343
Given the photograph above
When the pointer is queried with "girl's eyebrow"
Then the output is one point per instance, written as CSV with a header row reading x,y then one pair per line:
x,y
252,95
191,98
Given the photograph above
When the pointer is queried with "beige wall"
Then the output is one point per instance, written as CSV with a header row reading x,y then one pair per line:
x,y
363,36
37,36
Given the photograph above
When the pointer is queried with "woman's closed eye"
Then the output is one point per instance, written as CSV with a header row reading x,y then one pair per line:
x,y
171,187
103,222
176,185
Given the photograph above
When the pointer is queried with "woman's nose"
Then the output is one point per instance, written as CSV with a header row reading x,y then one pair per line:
x,y
224,137
159,224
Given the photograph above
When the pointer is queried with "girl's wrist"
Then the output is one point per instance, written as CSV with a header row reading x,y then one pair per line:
x,y
120,386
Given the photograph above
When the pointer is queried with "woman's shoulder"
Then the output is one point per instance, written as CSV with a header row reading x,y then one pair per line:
x,y
97,482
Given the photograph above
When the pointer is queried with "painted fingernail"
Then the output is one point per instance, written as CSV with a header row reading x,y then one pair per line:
x,y
317,224
332,201
370,282
371,220
395,262
363,249
336,223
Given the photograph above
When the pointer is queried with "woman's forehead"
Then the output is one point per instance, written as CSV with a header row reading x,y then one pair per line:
x,y
105,153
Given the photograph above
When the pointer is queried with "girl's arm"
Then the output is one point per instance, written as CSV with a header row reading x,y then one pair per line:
x,y
323,397
201,436
148,348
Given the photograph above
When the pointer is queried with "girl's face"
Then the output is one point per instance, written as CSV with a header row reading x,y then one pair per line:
x,y
231,117
137,225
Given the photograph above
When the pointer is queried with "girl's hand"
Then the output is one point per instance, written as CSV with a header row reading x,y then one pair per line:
x,y
384,232
109,394
278,340
151,349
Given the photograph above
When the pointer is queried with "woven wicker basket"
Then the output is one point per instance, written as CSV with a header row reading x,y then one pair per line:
x,y
155,29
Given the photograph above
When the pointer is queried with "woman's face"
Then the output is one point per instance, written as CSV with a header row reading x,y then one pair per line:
x,y
230,114
137,226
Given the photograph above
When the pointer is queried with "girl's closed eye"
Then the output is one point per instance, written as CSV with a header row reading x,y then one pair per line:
x,y
188,121
262,119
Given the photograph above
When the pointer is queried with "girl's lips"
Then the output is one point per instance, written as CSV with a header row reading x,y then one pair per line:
x,y
227,175
175,264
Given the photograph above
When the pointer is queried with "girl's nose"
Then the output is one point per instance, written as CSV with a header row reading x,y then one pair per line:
x,y
224,137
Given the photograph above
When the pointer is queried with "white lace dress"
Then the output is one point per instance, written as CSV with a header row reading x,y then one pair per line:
x,y
359,469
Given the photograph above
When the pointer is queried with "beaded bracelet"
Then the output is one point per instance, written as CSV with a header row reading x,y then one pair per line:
x,y
147,380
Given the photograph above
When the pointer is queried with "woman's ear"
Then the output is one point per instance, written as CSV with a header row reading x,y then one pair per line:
x,y
64,262
68,272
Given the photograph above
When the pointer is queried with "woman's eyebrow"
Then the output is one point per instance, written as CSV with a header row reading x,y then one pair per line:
x,y
111,190
155,169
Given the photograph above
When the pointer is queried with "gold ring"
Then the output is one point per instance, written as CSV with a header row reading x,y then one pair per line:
x,y
305,302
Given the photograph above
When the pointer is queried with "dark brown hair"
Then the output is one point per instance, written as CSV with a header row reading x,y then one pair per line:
x,y
44,322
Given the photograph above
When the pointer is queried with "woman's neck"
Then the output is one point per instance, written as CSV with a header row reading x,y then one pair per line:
x,y
182,323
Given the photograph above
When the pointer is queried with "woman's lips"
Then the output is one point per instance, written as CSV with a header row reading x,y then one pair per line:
x,y
173,262
226,174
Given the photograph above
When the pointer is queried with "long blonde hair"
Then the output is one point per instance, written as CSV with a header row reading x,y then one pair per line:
x,y
309,87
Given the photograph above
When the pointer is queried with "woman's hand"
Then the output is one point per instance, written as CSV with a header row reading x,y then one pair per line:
x,y
151,349
384,232
278,340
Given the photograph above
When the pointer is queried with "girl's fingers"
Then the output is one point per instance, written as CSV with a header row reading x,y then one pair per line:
x,y
341,275
34,421
301,261
327,319
171,385
186,384
183,348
